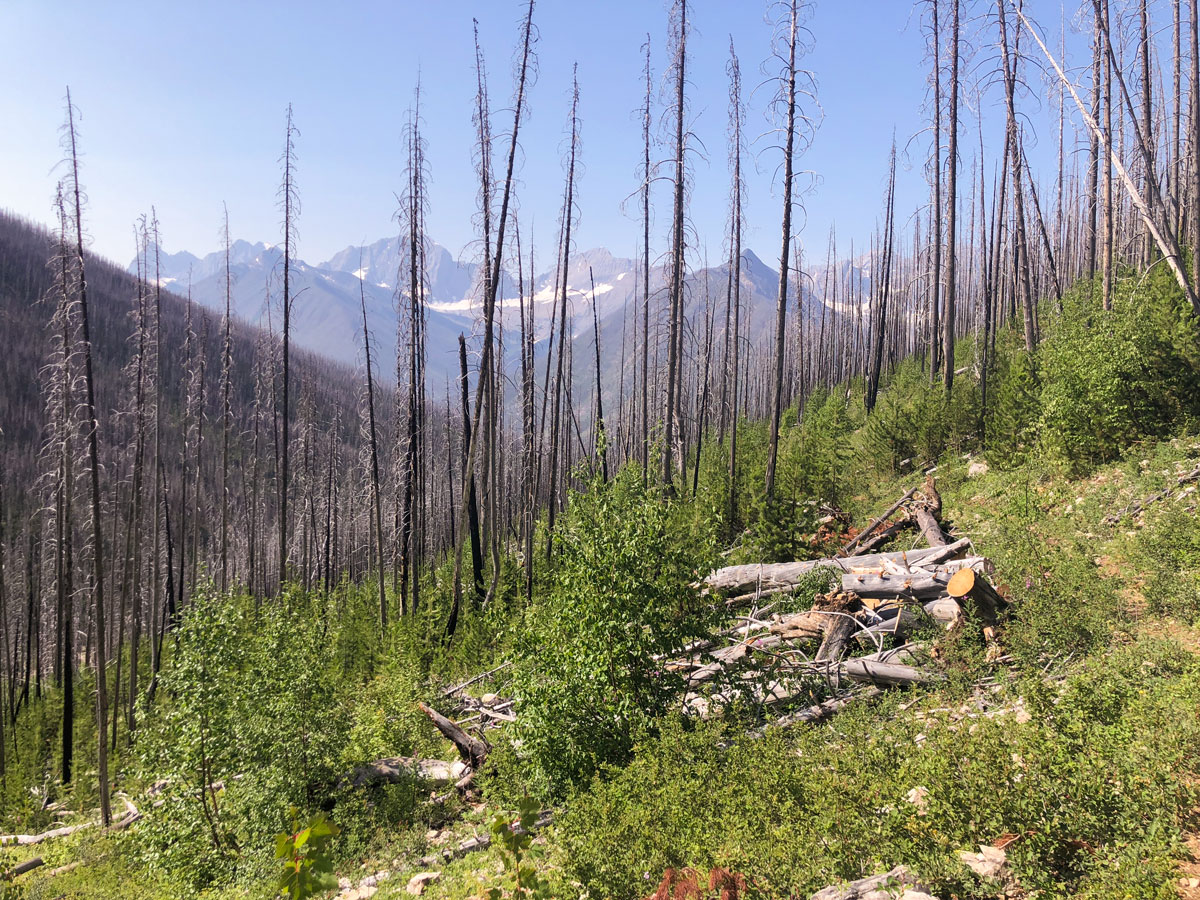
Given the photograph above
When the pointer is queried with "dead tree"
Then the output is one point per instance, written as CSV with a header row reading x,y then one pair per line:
x,y
646,176
92,428
226,389
951,205
675,316
492,284
737,118
289,200
373,445
601,448
788,98
564,255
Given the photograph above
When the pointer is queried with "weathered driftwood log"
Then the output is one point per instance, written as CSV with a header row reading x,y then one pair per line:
x,y
919,583
396,769
472,749
822,711
816,622
873,671
875,523
855,890
458,688
885,535
970,587
909,618
837,635
928,512
763,578
24,840
945,610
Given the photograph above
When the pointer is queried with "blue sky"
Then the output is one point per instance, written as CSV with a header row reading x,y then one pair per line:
x,y
183,108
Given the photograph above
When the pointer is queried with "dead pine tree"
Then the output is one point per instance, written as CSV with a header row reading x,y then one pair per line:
x,y
410,370
1009,57
878,321
524,77
787,43
646,178
737,189
671,457
60,454
601,448
226,389
935,211
290,204
564,256
91,425
373,445
948,312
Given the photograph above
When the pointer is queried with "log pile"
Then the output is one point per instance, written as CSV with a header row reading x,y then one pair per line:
x,y
877,601
919,508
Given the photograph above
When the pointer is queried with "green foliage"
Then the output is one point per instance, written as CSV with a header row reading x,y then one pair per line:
x,y
514,837
307,865
1013,401
1092,783
1170,551
256,720
1111,377
589,682
914,422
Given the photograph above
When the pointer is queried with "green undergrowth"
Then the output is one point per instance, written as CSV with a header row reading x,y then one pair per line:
x,y
1075,749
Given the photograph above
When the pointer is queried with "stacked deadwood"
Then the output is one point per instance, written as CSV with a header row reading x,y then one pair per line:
x,y
919,508
877,599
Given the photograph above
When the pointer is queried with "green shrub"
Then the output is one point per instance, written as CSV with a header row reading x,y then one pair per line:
x,y
1093,782
589,682
253,721
1112,377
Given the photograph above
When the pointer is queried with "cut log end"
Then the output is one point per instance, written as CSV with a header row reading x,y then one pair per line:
x,y
961,583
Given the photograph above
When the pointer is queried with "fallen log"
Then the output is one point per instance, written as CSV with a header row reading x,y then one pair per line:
x,y
908,619
837,635
886,535
918,582
473,750
875,523
763,578
873,671
927,512
945,610
28,866
855,890
822,711
458,688
24,840
397,769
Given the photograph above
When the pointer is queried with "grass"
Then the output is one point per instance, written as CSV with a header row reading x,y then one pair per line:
x,y
1082,756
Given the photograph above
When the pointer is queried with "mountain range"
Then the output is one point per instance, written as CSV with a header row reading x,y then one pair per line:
x,y
327,298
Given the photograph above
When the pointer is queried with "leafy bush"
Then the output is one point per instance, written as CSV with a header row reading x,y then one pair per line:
x,y
1092,783
254,722
1112,377
589,682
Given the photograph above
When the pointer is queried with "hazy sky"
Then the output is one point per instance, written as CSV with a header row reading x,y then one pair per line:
x,y
183,107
